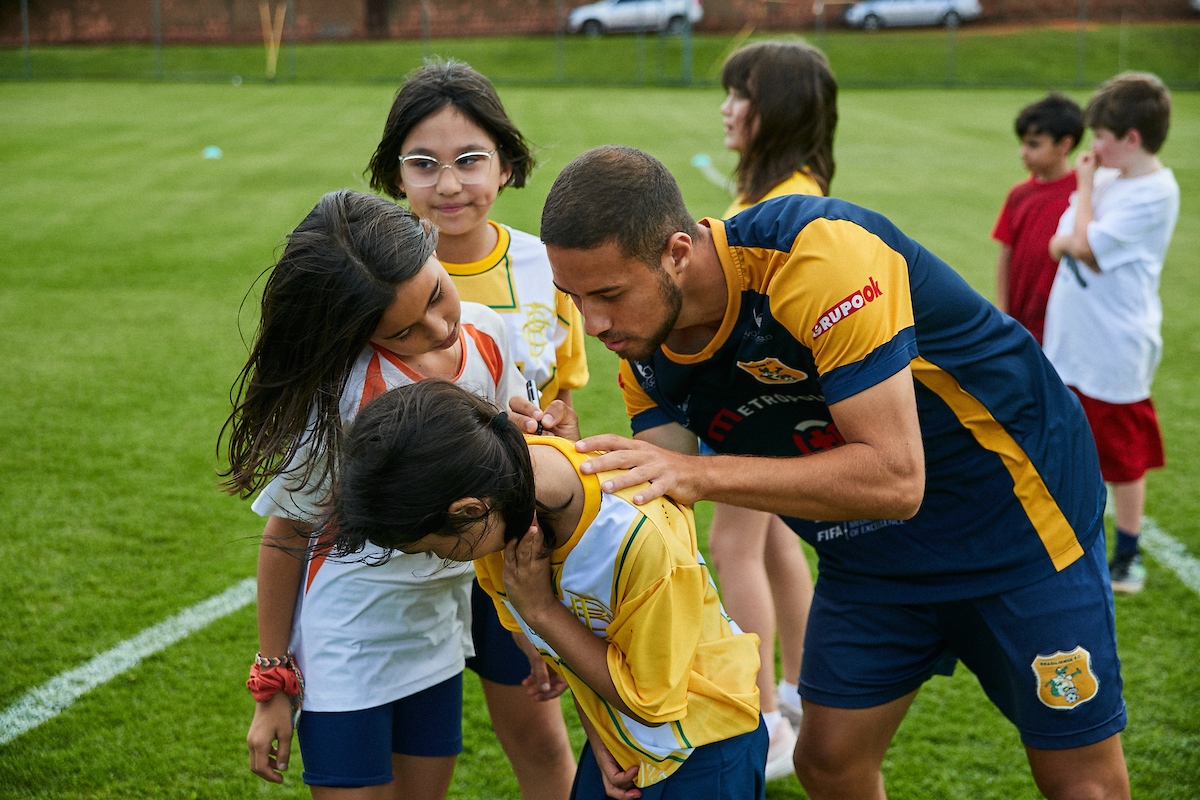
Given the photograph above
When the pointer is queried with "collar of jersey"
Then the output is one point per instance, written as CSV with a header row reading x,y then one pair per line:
x,y
734,283
503,239
592,494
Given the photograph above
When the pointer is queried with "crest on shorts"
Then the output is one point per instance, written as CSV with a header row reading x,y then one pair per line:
x,y
1065,679
772,370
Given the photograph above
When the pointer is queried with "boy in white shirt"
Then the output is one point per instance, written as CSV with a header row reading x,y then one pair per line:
x,y
1104,315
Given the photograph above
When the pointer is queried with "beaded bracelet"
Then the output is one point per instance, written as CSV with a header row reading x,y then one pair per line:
x,y
279,661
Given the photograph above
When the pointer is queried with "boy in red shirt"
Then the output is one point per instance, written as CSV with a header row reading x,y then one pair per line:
x,y
1049,130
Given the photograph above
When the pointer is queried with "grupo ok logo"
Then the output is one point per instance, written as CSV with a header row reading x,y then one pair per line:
x,y
847,307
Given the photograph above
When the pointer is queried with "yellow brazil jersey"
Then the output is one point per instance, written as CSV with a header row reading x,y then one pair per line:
x,y
801,182
545,329
634,576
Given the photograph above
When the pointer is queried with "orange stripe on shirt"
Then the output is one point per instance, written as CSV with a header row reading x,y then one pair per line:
x,y
374,385
317,561
488,349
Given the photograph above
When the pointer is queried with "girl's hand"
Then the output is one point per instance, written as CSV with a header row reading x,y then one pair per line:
x,y
542,683
618,784
527,575
270,737
559,419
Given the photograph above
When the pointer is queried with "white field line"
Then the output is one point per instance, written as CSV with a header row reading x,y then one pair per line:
x,y
1166,549
1171,553
46,701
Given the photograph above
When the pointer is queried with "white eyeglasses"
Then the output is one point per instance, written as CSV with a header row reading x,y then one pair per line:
x,y
421,171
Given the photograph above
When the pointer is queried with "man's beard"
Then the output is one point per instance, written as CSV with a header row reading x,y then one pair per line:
x,y
672,297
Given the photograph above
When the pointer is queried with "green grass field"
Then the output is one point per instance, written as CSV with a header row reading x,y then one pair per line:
x,y
126,257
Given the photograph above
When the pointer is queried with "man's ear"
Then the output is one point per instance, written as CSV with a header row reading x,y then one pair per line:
x,y
469,508
1134,137
678,251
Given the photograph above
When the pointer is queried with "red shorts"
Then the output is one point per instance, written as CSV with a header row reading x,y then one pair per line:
x,y
1127,437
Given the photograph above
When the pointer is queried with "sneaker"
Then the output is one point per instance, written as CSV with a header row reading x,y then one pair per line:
x,y
789,705
1127,572
779,751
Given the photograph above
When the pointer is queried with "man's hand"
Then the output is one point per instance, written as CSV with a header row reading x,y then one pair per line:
x,y
270,737
667,472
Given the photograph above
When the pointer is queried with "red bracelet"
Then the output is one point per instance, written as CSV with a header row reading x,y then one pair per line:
x,y
269,676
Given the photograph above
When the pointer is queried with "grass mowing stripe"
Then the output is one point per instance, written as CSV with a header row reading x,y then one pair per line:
x,y
1171,553
57,694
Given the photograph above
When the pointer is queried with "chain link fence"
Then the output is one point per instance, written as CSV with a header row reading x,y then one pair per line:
x,y
1015,43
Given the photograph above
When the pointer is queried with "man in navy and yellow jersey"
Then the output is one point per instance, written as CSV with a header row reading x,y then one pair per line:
x,y
853,383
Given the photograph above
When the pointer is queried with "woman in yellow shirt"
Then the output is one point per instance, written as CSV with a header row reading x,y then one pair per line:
x,y
779,115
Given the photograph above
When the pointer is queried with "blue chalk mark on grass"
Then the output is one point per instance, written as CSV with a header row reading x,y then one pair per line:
x,y
704,163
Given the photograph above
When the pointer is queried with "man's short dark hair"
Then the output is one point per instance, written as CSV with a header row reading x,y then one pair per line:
x,y
1132,101
1055,115
615,194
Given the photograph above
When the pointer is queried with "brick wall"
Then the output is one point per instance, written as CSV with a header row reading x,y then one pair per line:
x,y
95,21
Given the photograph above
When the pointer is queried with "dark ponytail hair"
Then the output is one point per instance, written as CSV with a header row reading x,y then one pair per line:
x,y
793,94
321,304
415,450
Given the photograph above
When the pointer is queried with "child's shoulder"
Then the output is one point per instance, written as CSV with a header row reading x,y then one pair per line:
x,y
478,314
525,251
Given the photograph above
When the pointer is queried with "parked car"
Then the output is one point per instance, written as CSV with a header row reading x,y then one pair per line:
x,y
670,16
874,14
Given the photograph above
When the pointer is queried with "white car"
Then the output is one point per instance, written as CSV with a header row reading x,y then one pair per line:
x,y
633,15
875,14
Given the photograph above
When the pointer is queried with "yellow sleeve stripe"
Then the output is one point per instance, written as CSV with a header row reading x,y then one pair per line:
x,y
1040,506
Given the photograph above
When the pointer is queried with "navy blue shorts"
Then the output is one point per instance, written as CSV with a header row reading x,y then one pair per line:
x,y
351,749
1045,654
733,769
497,657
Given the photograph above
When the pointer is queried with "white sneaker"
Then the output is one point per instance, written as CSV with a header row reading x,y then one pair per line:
x,y
789,705
779,751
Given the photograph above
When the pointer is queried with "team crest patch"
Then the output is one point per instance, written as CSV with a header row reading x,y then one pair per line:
x,y
1065,679
773,371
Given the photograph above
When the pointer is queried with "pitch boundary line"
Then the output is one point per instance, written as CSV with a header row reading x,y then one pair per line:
x,y
60,692
1170,552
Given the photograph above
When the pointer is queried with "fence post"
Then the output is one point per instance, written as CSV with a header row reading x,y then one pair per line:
x,y
819,20
685,66
1123,40
560,42
156,34
950,29
1081,46
26,59
426,45
290,10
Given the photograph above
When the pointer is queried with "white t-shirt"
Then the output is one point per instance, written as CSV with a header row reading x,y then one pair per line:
x,y
1103,329
367,635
